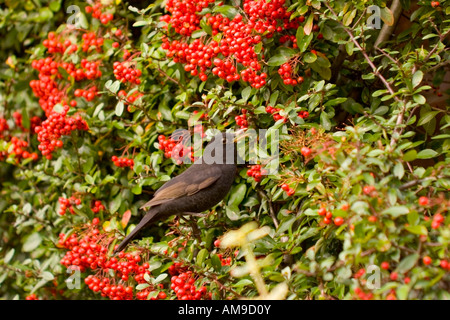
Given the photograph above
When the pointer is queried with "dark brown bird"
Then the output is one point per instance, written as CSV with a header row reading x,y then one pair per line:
x,y
203,185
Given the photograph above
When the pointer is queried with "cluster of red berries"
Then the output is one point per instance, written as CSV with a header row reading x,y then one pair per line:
x,y
53,44
175,150
286,188
34,122
90,40
88,94
238,41
437,220
89,250
97,206
143,294
108,289
285,72
241,120
182,283
225,69
445,264
131,98
92,70
46,89
54,127
435,4
184,18
270,16
96,11
275,112
303,114
32,296
292,38
256,172
123,162
224,261
369,190
363,295
17,150
65,204
3,127
125,72
328,216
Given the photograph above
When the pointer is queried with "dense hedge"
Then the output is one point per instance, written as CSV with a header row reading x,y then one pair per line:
x,y
90,95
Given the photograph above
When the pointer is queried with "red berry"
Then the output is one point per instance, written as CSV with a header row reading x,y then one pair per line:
x,y
338,221
423,201
427,260
306,151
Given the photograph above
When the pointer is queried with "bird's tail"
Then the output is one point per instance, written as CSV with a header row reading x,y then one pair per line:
x,y
145,221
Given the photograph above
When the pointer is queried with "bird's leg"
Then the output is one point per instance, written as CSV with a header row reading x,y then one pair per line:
x,y
195,230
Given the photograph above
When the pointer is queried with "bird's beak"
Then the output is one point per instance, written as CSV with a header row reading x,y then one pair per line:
x,y
239,135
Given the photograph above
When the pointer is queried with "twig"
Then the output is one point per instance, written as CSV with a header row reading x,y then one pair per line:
x,y
412,183
397,129
272,214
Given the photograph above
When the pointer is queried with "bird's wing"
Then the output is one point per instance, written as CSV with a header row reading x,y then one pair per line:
x,y
186,184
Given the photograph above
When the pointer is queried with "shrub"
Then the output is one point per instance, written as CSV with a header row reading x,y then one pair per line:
x,y
91,96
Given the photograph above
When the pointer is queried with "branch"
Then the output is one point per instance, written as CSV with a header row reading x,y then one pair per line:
x,y
413,183
386,30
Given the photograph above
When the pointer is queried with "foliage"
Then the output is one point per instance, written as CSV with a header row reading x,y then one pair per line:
x,y
361,191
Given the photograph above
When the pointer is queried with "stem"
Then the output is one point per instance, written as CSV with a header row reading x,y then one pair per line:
x,y
254,270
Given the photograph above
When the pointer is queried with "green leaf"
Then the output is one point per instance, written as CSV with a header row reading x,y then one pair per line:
x,y
237,194
325,120
201,256
299,36
396,211
7,258
348,17
46,275
419,229
89,179
420,99
417,78
55,6
427,117
387,16
160,278
407,263
32,242
427,154
307,28
399,171
273,98
120,106
410,155
304,43
229,11
113,86
245,93
283,55
309,57
142,286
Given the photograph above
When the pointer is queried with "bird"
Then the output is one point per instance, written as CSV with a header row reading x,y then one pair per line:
x,y
200,187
